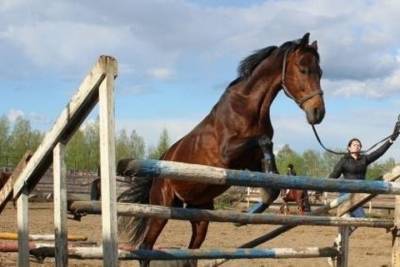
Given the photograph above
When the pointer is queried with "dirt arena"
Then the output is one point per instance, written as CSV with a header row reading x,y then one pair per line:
x,y
368,246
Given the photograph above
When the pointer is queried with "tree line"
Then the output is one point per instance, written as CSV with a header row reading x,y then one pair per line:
x,y
82,151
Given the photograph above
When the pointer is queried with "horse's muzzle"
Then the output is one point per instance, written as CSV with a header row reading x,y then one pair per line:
x,y
315,115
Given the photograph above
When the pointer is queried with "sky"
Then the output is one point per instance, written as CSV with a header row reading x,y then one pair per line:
x,y
177,57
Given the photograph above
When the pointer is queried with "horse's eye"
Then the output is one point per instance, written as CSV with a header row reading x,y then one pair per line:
x,y
303,70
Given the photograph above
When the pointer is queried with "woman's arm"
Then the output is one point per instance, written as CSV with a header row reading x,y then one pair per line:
x,y
337,170
379,152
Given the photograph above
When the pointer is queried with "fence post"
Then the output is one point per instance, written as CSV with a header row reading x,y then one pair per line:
x,y
107,163
343,257
23,229
396,234
60,206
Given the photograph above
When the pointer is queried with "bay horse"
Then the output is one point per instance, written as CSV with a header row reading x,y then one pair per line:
x,y
227,136
300,197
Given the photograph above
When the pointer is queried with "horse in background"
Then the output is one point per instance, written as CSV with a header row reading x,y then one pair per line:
x,y
227,136
295,195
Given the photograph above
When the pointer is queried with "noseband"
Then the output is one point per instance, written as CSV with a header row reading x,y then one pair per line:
x,y
286,90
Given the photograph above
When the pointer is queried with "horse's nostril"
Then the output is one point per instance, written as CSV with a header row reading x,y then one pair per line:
x,y
316,112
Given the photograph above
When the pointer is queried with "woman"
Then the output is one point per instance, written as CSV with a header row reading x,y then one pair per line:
x,y
354,165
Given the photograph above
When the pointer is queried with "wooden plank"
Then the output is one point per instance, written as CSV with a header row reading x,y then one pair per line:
x,y
7,189
43,237
142,210
60,206
396,234
184,254
343,256
67,123
357,200
23,230
160,169
108,170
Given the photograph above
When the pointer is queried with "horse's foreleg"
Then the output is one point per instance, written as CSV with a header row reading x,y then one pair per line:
x,y
268,196
154,229
199,228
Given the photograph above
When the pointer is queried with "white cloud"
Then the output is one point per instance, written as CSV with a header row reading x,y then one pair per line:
x,y
13,114
161,73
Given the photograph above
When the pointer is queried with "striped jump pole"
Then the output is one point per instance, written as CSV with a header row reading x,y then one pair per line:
x,y
220,176
186,254
144,210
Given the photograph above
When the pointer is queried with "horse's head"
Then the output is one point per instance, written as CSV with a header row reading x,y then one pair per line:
x,y
301,75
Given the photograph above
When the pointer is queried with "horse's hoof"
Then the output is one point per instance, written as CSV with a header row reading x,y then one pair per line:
x,y
126,246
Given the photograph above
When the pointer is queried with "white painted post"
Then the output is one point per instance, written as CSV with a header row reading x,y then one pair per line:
x,y
60,206
23,229
107,164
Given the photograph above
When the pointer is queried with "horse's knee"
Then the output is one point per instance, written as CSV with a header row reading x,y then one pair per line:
x,y
268,195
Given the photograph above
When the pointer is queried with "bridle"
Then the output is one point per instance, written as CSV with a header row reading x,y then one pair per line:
x,y
286,90
309,96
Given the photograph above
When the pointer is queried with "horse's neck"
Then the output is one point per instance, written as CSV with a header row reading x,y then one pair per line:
x,y
250,102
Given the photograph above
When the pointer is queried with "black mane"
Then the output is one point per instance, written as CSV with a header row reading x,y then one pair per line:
x,y
248,64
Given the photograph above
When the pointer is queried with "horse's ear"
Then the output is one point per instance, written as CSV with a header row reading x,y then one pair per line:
x,y
315,45
304,41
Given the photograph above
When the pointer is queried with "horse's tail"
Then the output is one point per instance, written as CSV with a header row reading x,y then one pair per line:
x,y
133,229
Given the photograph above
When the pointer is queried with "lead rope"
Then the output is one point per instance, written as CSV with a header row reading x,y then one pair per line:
x,y
344,153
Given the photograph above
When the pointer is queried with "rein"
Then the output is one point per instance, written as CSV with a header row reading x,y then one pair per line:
x,y
286,90
345,153
309,96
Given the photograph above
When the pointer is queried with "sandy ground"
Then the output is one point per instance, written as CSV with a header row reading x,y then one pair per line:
x,y
368,246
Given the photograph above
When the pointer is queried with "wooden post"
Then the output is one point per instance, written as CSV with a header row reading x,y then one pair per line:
x,y
396,234
343,257
60,206
23,231
107,164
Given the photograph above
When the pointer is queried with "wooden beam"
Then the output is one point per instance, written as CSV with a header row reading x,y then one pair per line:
x,y
396,234
23,229
7,190
142,210
67,123
160,169
343,255
184,254
44,237
60,206
108,170
357,200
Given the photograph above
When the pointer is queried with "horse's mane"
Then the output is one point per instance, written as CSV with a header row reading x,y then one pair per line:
x,y
249,63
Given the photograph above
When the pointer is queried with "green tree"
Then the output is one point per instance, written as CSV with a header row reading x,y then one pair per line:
x,y
122,146
377,169
137,145
92,141
75,157
162,147
22,139
329,161
285,156
129,147
4,141
312,163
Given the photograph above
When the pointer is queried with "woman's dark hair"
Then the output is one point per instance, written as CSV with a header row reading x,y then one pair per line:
x,y
290,166
352,140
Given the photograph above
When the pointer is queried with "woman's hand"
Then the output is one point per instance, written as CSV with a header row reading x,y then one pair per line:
x,y
396,131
